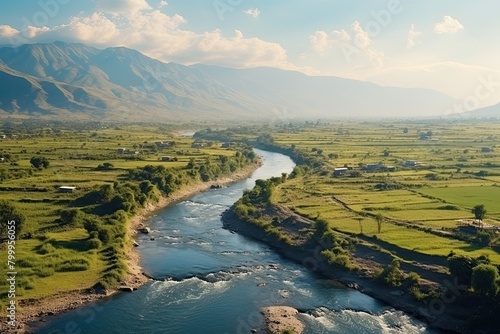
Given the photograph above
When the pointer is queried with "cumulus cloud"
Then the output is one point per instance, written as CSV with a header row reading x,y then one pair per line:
x,y
413,35
162,4
355,42
253,12
321,41
132,23
448,25
8,31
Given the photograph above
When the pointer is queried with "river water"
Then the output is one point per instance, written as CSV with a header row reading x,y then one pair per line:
x,y
209,280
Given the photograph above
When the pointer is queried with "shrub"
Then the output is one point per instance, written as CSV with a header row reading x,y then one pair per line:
x,y
104,235
392,275
417,293
483,238
485,279
94,243
46,248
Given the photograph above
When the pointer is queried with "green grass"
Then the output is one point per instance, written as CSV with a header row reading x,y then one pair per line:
x,y
468,196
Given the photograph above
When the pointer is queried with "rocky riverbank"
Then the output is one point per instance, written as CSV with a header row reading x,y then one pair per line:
x,y
452,318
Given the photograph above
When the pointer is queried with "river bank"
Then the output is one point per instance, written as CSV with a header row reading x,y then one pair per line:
x,y
453,318
35,312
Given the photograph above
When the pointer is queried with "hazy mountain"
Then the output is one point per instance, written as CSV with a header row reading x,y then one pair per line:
x,y
486,112
60,78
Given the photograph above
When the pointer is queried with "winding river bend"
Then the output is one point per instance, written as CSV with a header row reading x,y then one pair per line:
x,y
209,280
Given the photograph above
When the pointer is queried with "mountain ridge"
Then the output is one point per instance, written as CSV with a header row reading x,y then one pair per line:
x,y
86,82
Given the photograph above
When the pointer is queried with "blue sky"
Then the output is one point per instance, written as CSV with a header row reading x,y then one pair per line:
x,y
444,45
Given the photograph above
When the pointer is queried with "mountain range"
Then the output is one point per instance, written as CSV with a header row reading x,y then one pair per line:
x,y
61,79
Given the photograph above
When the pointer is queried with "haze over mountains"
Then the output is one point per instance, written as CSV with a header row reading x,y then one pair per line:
x,y
73,80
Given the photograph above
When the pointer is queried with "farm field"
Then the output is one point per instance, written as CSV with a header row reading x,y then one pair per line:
x,y
422,204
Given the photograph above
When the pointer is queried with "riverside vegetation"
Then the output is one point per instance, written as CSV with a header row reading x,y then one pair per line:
x,y
409,208
78,239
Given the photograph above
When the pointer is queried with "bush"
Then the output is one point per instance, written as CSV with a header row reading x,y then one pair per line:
x,y
417,293
46,248
392,275
483,238
104,235
94,243
485,280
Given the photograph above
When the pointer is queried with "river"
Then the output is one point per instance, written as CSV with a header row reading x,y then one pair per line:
x,y
209,280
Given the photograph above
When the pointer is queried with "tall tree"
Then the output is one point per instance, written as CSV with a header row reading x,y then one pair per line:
x,y
479,212
380,220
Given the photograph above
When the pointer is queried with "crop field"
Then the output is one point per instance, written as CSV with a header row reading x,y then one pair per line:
x,y
422,202
468,196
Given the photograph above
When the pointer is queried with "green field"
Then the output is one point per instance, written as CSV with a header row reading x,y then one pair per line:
x,y
467,197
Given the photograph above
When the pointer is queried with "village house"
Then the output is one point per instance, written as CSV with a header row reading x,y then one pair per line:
x,y
198,144
122,150
341,171
66,189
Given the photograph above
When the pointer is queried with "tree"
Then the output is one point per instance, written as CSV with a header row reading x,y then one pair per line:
x,y
10,216
380,219
479,212
360,219
405,130
484,280
461,268
39,162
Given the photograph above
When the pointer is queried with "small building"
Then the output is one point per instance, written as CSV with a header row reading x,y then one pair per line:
x,y
198,144
164,143
373,167
410,163
227,145
122,150
3,136
486,149
165,158
66,189
341,171
2,159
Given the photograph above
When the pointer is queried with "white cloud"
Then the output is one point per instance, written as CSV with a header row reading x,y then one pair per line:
x,y
253,12
448,25
413,35
162,4
8,31
361,37
158,35
363,41
320,42
354,43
